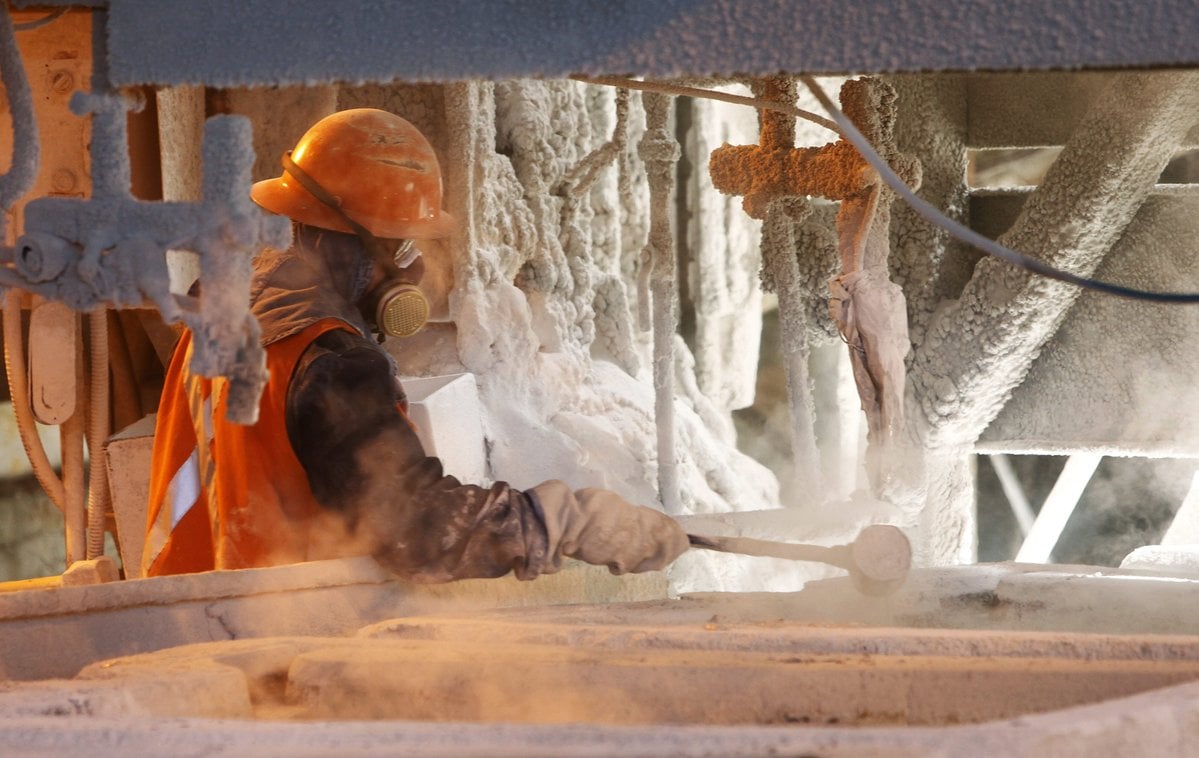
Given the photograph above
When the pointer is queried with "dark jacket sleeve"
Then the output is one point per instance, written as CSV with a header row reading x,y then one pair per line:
x,y
365,462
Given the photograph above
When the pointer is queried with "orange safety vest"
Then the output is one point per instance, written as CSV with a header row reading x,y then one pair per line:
x,y
225,495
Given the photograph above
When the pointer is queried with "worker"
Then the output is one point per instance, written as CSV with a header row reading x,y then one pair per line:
x,y
333,467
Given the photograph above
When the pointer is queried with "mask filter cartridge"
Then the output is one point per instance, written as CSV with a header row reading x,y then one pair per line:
x,y
399,309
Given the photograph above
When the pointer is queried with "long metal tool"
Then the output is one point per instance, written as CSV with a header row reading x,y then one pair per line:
x,y
878,561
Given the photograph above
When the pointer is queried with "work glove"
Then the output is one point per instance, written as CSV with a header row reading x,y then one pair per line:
x,y
601,527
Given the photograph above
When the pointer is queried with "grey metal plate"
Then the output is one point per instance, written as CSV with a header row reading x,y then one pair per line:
x,y
238,43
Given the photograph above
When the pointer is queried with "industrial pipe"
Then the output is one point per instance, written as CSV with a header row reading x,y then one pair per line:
x,y
97,432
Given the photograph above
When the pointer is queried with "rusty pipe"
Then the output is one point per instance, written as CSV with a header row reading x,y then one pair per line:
x,y
97,431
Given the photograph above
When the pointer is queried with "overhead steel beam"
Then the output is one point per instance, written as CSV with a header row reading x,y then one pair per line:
x,y
225,43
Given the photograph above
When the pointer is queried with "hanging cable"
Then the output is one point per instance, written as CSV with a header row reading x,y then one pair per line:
x,y
679,90
969,236
844,127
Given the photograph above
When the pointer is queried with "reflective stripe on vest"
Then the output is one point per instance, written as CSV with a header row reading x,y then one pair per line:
x,y
185,488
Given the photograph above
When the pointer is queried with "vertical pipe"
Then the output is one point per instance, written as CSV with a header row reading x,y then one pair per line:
x,y
87,499
660,151
111,171
778,252
776,139
662,292
97,432
1055,512
74,486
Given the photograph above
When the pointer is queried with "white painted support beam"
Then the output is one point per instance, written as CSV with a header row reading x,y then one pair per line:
x,y
1014,492
1054,514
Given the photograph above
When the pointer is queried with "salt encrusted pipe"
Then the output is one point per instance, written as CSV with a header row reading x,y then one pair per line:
x,y
97,432
110,171
25,147
660,152
781,269
121,242
782,266
226,266
867,306
979,347
924,257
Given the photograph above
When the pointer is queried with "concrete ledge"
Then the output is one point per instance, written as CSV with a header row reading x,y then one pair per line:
x,y
1162,722
55,632
642,665
464,662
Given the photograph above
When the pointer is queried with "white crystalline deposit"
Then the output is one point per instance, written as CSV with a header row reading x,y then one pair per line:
x,y
545,307
722,241
546,298
972,351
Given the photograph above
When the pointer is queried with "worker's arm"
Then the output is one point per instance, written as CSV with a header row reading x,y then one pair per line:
x,y
364,461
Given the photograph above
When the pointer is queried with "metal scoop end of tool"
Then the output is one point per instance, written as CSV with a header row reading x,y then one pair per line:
x,y
878,560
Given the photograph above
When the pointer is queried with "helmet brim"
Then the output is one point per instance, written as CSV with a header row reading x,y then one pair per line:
x,y
288,198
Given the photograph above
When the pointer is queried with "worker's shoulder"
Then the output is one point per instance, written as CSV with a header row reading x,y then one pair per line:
x,y
343,341
344,356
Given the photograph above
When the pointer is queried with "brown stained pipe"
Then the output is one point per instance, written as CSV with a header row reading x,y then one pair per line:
x,y
125,392
71,432
776,130
97,431
18,383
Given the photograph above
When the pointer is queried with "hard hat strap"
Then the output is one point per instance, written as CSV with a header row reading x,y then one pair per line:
x,y
372,243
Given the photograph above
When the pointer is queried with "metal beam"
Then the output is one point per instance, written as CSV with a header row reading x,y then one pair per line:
x,y
1063,498
226,43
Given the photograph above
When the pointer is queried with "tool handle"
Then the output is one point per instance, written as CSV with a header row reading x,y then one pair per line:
x,y
835,556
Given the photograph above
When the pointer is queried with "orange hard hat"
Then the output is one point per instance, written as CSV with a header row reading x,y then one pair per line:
x,y
377,166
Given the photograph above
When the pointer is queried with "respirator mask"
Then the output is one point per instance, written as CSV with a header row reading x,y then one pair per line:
x,y
396,306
